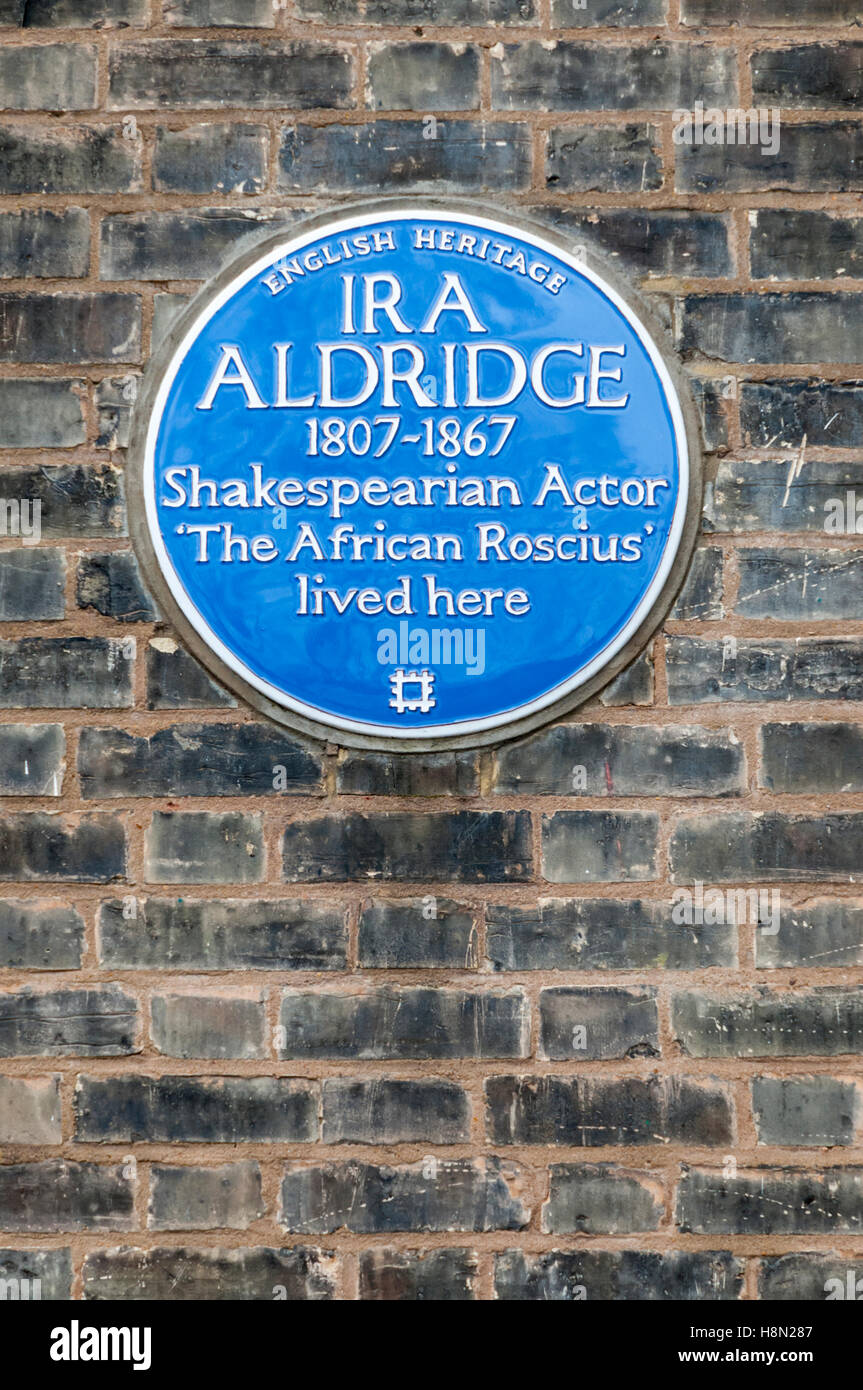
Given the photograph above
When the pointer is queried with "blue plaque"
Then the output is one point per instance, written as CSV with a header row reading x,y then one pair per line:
x,y
414,474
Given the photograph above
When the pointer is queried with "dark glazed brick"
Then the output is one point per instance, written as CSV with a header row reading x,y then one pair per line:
x,y
804,327
410,1276
51,1270
32,759
778,414
634,685
603,934
804,1110
407,774
37,934
176,245
51,245
61,1196
420,11
618,760
204,847
593,1024
236,934
94,1022
200,73
826,76
599,846
113,398
52,77
701,597
418,933
205,1199
708,395
778,495
180,1273
38,847
389,1111
32,584
211,158
825,1022
448,1195
653,243
608,13
70,328
794,584
787,244
745,670
422,77
68,159
770,12
592,1112
112,584
771,1201
41,414
74,14
811,1277
175,680
65,673
572,76
827,932
384,774
818,156
208,14
572,1276
389,1022
195,760
383,156
75,500
601,1199
810,759
195,1110
762,846
166,310
603,158
465,846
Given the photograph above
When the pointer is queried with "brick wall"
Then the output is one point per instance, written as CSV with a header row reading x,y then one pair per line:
x,y
319,1040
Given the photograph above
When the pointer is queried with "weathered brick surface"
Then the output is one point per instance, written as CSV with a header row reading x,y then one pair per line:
x,y
180,1272
441,1276
771,1201
603,934
465,846
230,1021
592,1113
30,1111
203,847
32,585
100,1022
822,1022
191,1109
808,1111
53,245
389,1022
601,1199
564,1276
205,1199
238,934
190,73
60,1195
386,1111
31,759
389,155
39,935
447,1195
